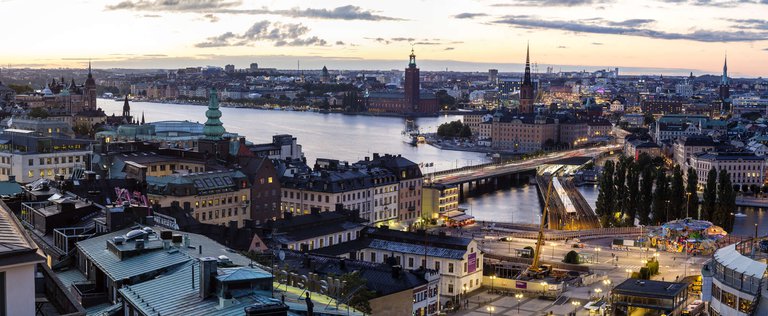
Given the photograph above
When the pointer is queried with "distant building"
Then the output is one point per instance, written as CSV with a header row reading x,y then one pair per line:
x,y
724,90
744,168
522,132
229,68
687,146
439,199
411,102
493,76
254,67
526,88
29,157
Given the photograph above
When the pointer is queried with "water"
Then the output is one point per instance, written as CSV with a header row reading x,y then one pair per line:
x,y
520,205
336,136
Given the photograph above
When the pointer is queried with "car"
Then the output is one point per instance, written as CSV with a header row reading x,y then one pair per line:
x,y
505,238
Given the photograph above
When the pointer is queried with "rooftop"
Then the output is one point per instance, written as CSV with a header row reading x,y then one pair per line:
x,y
650,288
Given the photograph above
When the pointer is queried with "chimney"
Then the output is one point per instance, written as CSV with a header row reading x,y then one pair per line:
x,y
396,271
343,264
207,271
139,244
185,240
11,178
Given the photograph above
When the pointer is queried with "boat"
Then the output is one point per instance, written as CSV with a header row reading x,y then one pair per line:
x,y
410,134
740,215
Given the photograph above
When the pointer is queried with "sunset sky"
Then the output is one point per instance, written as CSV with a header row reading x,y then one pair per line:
x,y
650,36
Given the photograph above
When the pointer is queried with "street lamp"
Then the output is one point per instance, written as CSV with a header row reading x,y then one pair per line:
x,y
576,305
597,293
490,309
519,297
667,210
493,277
628,272
597,254
687,203
544,287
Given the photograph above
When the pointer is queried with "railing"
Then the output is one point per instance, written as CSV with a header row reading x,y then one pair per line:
x,y
65,238
28,210
85,293
57,293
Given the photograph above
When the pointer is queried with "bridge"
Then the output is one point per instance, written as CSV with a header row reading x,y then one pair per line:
x,y
492,170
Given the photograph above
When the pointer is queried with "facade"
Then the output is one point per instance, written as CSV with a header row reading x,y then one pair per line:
x,y
687,146
648,297
323,190
458,260
29,157
657,104
666,131
522,133
18,267
218,197
315,230
635,147
439,199
745,168
732,282
409,185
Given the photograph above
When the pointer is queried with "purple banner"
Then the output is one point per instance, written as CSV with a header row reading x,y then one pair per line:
x,y
472,262
521,284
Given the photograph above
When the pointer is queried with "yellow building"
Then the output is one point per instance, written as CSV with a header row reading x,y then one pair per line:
x,y
439,199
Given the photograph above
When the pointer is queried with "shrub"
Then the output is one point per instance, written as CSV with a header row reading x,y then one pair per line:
x,y
645,273
571,257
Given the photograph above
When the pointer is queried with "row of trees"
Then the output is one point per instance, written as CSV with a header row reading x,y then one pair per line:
x,y
454,129
645,190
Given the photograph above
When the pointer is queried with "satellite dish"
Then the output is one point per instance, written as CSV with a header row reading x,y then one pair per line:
x,y
281,255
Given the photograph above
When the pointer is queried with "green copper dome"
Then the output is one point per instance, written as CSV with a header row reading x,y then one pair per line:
x,y
213,127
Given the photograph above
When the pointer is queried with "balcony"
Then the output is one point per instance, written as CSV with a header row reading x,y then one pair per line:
x,y
87,294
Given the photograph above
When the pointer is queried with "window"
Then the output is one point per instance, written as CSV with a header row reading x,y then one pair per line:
x,y
269,180
450,267
410,262
373,257
450,288
31,162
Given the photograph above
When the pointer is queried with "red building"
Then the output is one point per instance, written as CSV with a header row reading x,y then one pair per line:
x,y
410,102
526,88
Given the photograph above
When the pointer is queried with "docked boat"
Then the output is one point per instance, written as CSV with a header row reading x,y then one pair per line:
x,y
410,134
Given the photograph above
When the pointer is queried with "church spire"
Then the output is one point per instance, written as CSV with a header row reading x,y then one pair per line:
x,y
90,75
724,79
527,75
142,118
213,128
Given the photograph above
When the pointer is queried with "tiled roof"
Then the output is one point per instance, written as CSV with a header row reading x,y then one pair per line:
x,y
15,246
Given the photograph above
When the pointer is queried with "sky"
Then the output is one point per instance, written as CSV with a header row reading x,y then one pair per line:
x,y
649,36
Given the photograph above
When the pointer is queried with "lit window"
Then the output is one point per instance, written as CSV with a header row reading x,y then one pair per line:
x,y
269,180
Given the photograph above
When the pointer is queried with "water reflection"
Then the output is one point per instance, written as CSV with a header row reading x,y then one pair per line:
x,y
519,205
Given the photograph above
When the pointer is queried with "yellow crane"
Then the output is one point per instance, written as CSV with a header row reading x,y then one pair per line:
x,y
535,270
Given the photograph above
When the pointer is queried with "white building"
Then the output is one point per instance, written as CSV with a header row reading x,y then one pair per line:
x,y
29,157
745,168
17,269
731,282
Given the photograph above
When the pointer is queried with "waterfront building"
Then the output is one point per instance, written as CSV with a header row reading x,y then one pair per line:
x,y
218,197
649,297
412,101
409,187
324,189
458,260
282,147
522,132
439,199
744,168
733,281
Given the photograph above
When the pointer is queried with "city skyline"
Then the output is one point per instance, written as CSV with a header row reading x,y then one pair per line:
x,y
667,36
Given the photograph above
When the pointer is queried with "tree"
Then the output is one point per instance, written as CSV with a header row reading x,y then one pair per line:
x,y
677,194
726,202
645,273
620,182
21,89
710,195
661,197
38,113
693,196
571,257
465,132
606,195
356,290
646,195
633,193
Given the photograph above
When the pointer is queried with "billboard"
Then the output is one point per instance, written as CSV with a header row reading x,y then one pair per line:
x,y
472,262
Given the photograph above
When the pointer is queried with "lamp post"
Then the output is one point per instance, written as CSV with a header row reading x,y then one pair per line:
x,y
490,310
493,277
597,293
597,254
687,203
667,211
464,293
519,297
544,288
576,305
628,272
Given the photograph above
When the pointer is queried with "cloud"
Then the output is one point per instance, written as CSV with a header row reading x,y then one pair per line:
x,y
632,22
402,39
597,43
280,34
600,26
469,15
561,46
749,24
174,5
449,48
347,12
212,18
550,3
152,16
717,3
339,43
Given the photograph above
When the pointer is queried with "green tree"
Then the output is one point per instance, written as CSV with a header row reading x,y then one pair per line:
x,y
692,195
633,193
620,182
38,113
356,293
677,194
710,195
726,202
646,195
571,257
606,194
645,273
466,132
21,89
660,197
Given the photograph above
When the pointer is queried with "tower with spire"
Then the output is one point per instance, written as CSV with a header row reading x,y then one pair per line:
x,y
89,91
725,85
526,88
213,128
126,108
412,84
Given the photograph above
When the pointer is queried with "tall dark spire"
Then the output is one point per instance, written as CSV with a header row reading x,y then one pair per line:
x,y
142,118
527,75
90,75
126,108
724,79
